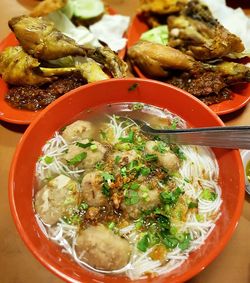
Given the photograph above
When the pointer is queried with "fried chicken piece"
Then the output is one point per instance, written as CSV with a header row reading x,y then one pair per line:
x,y
198,78
154,12
155,59
42,40
47,6
19,68
196,32
105,56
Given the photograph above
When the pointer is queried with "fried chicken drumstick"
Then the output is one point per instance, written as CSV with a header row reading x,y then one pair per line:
x,y
42,40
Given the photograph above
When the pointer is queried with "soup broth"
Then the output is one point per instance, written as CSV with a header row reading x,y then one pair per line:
x,y
120,201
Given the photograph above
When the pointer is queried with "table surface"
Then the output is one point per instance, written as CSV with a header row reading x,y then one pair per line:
x,y
17,265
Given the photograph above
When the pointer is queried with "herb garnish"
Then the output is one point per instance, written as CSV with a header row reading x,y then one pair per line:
x,y
78,158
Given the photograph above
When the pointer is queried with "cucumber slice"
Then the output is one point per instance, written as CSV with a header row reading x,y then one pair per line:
x,y
68,9
157,35
87,9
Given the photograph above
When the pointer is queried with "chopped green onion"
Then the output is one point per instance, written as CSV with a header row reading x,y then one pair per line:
x,y
171,197
93,147
143,244
207,194
84,145
193,205
83,206
151,157
145,171
129,138
48,159
99,165
134,186
117,159
131,197
78,158
111,225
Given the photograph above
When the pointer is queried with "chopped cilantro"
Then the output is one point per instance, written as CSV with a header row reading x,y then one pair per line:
x,y
179,153
106,176
192,205
160,147
78,158
174,123
106,190
171,197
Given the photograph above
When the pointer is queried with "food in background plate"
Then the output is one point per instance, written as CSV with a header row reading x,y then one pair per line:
x,y
46,55
116,199
194,59
209,82
88,22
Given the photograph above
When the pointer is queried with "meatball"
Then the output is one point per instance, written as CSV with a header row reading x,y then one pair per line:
x,y
92,189
147,199
92,155
57,198
168,159
102,249
78,130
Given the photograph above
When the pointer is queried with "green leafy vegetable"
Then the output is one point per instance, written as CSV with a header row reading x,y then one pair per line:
x,y
158,35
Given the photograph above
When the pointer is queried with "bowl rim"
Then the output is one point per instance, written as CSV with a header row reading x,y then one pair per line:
x,y
181,278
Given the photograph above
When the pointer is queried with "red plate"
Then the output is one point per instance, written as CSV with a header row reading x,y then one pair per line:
x,y
20,116
241,93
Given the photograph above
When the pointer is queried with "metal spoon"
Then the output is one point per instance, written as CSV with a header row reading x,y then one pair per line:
x,y
223,137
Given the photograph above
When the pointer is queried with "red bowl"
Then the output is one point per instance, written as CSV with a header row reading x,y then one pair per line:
x,y
59,113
